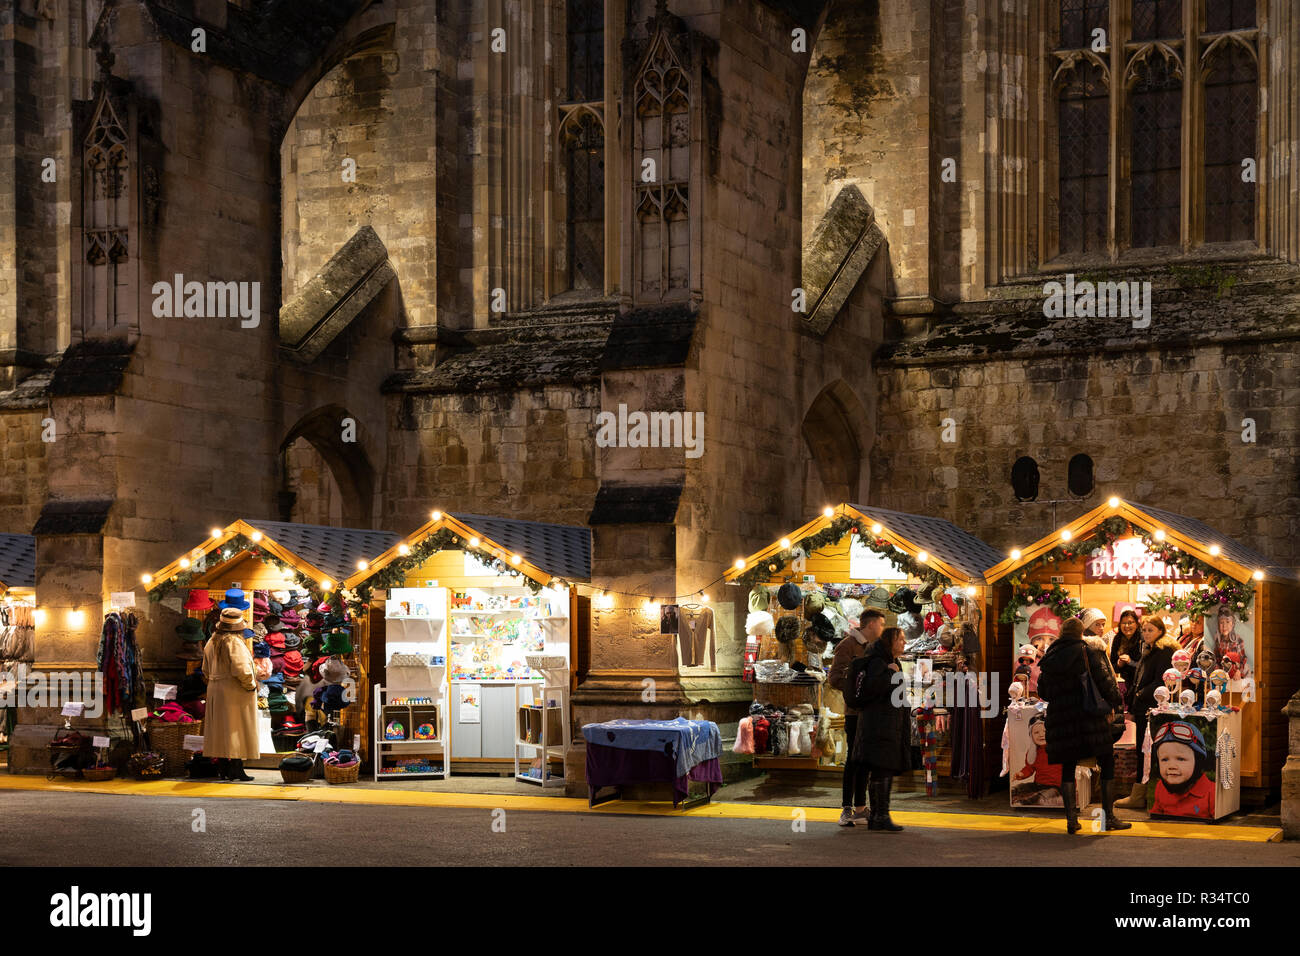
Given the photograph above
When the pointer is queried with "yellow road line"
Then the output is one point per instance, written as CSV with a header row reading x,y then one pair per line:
x,y
714,811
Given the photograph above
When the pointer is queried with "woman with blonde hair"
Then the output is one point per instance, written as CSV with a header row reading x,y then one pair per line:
x,y
230,720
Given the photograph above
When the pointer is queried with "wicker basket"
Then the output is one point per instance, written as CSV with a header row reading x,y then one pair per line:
x,y
297,776
99,774
167,738
346,774
147,765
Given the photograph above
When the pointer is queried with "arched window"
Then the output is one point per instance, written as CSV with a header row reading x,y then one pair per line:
x,y
1078,476
1024,479
582,144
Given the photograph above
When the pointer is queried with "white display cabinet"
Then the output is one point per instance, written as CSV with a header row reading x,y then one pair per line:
x,y
417,693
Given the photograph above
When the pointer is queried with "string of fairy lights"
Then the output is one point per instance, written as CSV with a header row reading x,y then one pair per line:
x,y
506,561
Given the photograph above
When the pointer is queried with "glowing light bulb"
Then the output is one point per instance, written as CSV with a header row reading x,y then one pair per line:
x,y
1066,535
147,578
437,516
923,556
970,591
1113,502
362,565
828,512
1258,575
1160,534
326,584
785,544
184,562
38,616
1015,554
876,528
256,536
76,618
516,558
740,564
473,542
215,533
704,598
1214,550
403,549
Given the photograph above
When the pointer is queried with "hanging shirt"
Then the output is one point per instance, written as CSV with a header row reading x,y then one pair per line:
x,y
695,632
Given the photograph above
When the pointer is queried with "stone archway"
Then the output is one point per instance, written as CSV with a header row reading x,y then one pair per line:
x,y
306,492
837,434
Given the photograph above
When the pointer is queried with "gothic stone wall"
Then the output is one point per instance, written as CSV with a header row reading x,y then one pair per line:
x,y
1163,427
22,470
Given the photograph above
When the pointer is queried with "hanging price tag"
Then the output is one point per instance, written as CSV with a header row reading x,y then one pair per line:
x,y
192,742
121,599
140,713
73,708
164,691
98,742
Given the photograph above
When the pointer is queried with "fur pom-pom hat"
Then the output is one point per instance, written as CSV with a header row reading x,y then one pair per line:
x,y
787,629
759,624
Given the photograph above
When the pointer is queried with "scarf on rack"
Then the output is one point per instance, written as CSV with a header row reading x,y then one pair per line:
x,y
118,659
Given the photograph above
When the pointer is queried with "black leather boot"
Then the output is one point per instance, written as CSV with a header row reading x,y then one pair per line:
x,y
1069,796
236,771
223,768
1108,805
880,818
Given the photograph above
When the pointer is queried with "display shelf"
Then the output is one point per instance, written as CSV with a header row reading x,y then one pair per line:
x,y
547,716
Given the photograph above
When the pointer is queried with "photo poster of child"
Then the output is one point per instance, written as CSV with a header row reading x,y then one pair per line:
x,y
1230,636
1038,629
1034,781
1182,781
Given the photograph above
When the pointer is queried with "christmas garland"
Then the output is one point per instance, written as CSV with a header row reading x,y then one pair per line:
x,y
1033,594
337,600
830,535
1224,593
394,575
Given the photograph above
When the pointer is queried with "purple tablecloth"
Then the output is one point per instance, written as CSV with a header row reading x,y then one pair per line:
x,y
612,766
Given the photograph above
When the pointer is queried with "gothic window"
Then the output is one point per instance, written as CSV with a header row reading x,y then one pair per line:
x,y
1231,117
584,154
661,153
1155,147
1084,124
582,147
1153,119
105,217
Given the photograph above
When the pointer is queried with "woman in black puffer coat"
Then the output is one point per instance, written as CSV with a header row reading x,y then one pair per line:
x,y
1073,734
883,741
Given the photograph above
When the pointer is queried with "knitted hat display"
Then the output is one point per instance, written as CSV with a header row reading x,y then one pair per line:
x,y
822,628
879,598
933,621
338,641
813,603
759,623
904,601
760,598
787,629
789,596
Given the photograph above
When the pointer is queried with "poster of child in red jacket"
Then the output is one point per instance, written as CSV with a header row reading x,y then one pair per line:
x,y
1182,767
1034,781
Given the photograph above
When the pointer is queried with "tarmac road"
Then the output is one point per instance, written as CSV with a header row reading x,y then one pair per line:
x,y
61,829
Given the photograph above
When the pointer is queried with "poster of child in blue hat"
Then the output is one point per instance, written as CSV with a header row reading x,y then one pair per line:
x,y
1182,781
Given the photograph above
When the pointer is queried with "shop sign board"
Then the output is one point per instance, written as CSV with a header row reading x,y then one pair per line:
x,y
1129,560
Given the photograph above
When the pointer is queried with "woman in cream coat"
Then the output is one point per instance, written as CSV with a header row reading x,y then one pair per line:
x,y
230,720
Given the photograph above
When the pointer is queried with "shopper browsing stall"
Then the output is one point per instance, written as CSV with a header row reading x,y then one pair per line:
x,y
1075,733
230,728
854,647
1157,656
883,741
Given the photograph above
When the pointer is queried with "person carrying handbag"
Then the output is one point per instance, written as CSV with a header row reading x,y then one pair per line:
x,y
1082,695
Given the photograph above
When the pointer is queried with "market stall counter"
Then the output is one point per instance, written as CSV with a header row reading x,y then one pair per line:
x,y
677,751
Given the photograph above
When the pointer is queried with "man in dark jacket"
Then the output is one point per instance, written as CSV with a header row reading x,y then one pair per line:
x,y
883,740
1074,734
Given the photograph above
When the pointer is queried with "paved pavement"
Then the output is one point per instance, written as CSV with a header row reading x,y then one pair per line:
x,y
86,829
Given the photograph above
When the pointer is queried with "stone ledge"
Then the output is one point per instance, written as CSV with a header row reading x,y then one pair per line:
x,y
841,248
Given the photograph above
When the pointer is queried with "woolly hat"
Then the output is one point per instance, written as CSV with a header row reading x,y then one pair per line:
x,y
1091,616
789,596
813,603
333,671
759,624
823,628
904,601
949,604
787,629
760,598
337,641
297,762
